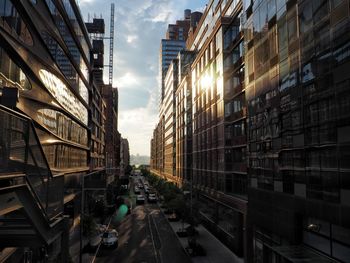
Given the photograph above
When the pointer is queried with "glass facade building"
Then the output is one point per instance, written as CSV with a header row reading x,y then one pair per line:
x,y
297,90
169,48
218,121
45,60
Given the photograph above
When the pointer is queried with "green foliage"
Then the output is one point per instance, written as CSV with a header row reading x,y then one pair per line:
x,y
128,169
178,204
175,200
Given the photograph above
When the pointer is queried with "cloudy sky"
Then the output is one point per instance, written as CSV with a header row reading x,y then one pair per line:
x,y
139,27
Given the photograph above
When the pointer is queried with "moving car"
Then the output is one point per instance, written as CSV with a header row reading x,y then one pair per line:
x,y
140,199
110,238
173,217
152,198
146,189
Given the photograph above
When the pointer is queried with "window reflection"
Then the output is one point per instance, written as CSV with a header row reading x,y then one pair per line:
x,y
65,157
67,36
63,95
62,126
11,74
13,22
66,66
73,19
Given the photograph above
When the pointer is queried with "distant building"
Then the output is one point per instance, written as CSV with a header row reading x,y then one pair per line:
x,y
163,147
200,139
175,41
113,137
124,156
183,117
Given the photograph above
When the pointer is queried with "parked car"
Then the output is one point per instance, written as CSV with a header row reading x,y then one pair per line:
x,y
152,198
146,189
140,199
173,217
136,190
110,238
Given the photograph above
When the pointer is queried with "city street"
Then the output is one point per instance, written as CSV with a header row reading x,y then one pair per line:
x,y
144,236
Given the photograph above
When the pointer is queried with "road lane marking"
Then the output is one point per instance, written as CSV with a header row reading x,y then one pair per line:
x,y
156,251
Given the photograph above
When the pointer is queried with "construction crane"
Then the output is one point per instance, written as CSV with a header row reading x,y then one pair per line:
x,y
111,43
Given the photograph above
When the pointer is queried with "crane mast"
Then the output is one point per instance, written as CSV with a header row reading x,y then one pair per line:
x,y
111,43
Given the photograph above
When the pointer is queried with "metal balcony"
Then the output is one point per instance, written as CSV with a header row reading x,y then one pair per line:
x,y
31,197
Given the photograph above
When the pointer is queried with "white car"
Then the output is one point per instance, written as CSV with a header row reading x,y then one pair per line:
x,y
110,238
140,199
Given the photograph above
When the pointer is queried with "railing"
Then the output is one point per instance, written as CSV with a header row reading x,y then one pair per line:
x,y
21,151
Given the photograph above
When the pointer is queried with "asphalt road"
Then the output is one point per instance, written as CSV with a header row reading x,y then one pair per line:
x,y
144,236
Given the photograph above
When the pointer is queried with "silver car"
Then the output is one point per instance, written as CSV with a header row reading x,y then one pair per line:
x,y
110,238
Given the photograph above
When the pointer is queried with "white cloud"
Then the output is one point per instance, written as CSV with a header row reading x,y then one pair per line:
x,y
139,26
83,2
138,125
131,38
127,80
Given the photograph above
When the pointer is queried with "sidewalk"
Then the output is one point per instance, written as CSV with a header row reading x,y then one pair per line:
x,y
216,252
74,248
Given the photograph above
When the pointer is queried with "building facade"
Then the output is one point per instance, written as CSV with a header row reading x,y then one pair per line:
x,y
168,51
164,135
124,157
218,103
45,80
183,116
168,111
110,95
175,41
297,89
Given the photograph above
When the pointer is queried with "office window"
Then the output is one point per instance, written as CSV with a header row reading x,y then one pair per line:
x,y
256,22
273,42
305,16
336,3
218,41
271,8
321,10
11,74
282,38
292,27
13,22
